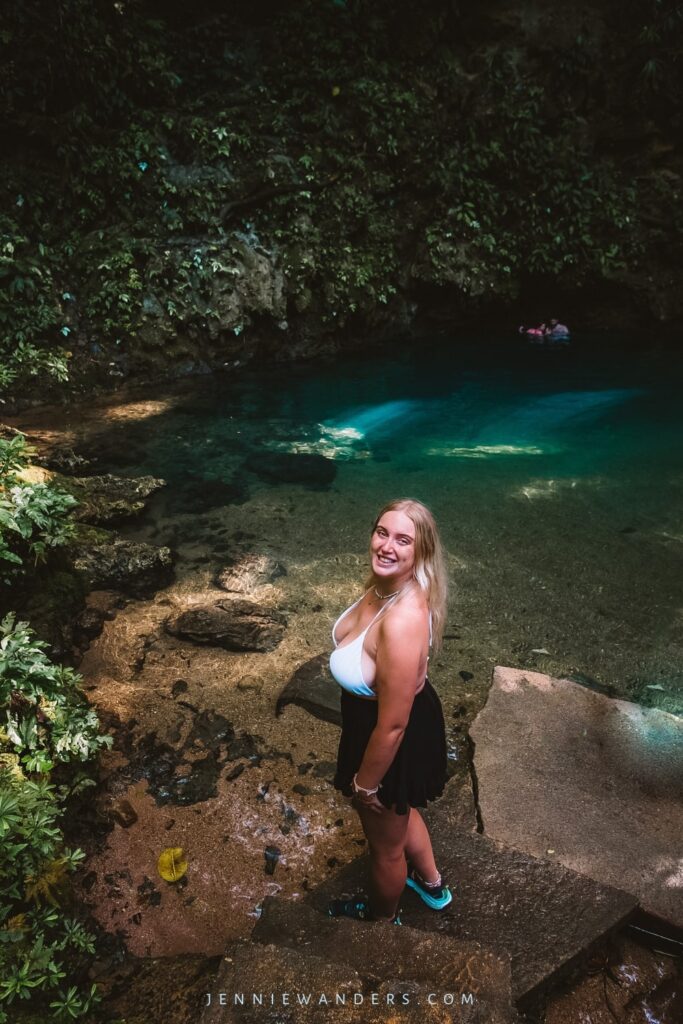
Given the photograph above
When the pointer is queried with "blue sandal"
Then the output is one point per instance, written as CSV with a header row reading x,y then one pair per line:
x,y
437,897
357,908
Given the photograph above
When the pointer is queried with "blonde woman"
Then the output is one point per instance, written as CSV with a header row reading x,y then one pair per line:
x,y
392,750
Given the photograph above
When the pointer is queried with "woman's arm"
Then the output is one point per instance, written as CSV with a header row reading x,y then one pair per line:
x,y
399,652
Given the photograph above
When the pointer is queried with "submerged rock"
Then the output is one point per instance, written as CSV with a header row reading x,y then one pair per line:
x,y
284,467
313,688
63,459
234,625
248,573
196,495
110,499
184,770
130,566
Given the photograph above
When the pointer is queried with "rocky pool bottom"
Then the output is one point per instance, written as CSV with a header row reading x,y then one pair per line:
x,y
551,579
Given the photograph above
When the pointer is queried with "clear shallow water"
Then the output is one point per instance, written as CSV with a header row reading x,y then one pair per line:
x,y
557,477
574,411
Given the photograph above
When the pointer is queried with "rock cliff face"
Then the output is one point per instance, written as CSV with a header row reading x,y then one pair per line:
x,y
284,180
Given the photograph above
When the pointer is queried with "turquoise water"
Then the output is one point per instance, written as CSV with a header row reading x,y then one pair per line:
x,y
556,476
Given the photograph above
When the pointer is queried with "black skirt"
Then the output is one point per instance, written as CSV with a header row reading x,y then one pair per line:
x,y
418,772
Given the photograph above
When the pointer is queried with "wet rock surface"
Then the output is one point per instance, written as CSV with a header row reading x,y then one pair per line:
x,y
233,624
114,563
593,783
313,688
283,467
311,966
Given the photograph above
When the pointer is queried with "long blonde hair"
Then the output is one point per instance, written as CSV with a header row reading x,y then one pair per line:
x,y
430,566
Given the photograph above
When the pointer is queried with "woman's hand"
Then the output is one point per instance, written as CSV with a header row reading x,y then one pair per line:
x,y
371,802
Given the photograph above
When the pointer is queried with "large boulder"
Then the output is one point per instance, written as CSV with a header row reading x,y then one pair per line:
x,y
578,778
233,625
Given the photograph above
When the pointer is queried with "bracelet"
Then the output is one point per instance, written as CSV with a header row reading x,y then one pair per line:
x,y
359,789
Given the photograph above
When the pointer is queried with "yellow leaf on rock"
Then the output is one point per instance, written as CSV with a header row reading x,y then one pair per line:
x,y
172,864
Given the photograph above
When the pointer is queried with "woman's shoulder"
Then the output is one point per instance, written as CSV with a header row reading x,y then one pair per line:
x,y
409,613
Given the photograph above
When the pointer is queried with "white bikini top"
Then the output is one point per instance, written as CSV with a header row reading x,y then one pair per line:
x,y
346,662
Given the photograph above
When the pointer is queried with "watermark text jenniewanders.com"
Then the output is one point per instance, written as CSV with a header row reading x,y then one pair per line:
x,y
337,999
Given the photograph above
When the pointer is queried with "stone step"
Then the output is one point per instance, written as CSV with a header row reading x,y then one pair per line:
x,y
272,984
541,915
598,781
384,969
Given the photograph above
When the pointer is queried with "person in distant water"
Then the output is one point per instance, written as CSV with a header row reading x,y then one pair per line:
x,y
557,331
534,334
392,750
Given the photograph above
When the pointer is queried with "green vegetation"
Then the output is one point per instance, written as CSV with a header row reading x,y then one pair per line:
x,y
43,715
33,517
46,728
177,175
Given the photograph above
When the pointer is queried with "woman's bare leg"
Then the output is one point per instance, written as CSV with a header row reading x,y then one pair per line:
x,y
418,848
386,836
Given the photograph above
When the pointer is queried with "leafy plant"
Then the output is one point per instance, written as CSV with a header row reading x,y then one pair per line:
x,y
43,713
34,518
40,945
45,722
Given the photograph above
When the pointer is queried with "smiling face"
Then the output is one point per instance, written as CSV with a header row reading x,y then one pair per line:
x,y
392,547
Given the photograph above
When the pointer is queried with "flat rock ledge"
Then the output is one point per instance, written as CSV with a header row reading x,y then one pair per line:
x,y
580,779
353,971
234,625
313,688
